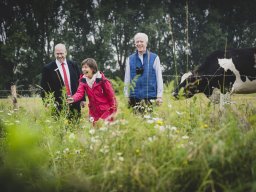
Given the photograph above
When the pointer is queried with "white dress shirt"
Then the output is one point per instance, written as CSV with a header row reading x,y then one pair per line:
x,y
61,72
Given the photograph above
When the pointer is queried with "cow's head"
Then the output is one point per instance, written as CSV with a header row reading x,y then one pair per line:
x,y
191,84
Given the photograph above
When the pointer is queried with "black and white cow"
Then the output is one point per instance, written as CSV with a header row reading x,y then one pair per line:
x,y
233,70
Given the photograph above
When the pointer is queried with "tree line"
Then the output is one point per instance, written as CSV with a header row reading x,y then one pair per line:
x,y
181,32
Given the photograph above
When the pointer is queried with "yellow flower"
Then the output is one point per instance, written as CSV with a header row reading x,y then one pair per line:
x,y
137,151
65,122
159,122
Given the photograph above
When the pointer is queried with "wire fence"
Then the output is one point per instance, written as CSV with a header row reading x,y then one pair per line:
x,y
20,93
33,92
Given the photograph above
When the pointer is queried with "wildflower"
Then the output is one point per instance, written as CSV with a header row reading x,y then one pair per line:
x,y
66,150
150,121
105,149
159,122
157,119
112,123
123,121
72,136
103,129
92,131
151,139
91,119
204,126
173,128
121,158
181,146
77,151
185,137
119,153
147,116
65,122
161,128
93,140
115,133
179,113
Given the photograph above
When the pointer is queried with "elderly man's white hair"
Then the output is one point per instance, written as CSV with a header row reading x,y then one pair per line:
x,y
60,45
141,35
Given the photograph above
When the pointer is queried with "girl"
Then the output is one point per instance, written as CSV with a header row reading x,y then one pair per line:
x,y
102,100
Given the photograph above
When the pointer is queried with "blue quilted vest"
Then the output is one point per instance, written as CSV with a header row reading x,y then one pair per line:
x,y
145,84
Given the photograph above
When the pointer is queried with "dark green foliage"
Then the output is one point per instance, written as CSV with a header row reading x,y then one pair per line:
x,y
104,30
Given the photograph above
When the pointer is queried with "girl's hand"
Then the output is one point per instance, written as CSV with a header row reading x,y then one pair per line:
x,y
70,100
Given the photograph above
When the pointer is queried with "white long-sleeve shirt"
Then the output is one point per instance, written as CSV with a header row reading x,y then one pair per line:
x,y
159,78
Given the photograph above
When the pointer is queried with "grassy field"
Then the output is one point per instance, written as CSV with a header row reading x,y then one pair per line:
x,y
184,145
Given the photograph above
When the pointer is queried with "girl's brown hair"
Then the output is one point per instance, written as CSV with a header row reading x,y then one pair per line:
x,y
91,63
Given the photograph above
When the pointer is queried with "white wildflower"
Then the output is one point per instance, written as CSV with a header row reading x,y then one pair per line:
x,y
112,123
161,128
77,151
91,119
147,116
66,150
185,137
93,140
157,119
179,113
105,149
103,129
173,128
92,131
150,121
72,136
151,139
123,121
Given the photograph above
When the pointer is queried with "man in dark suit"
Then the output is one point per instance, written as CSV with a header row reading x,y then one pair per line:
x,y
61,76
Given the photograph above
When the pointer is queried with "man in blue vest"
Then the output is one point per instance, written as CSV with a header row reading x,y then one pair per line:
x,y
143,75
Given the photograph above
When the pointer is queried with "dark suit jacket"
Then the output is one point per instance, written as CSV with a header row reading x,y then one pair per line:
x,y
52,82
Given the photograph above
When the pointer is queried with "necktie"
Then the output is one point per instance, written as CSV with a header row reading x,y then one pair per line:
x,y
65,79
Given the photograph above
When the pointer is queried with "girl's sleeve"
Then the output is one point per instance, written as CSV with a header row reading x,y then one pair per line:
x,y
80,93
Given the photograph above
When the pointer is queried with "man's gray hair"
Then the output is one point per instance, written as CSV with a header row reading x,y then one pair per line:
x,y
141,35
60,45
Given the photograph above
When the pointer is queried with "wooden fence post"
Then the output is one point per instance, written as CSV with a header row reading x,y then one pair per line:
x,y
14,96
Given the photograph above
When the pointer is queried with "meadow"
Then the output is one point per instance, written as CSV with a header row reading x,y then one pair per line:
x,y
183,146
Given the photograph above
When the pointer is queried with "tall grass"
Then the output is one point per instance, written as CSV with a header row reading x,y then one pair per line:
x,y
184,145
